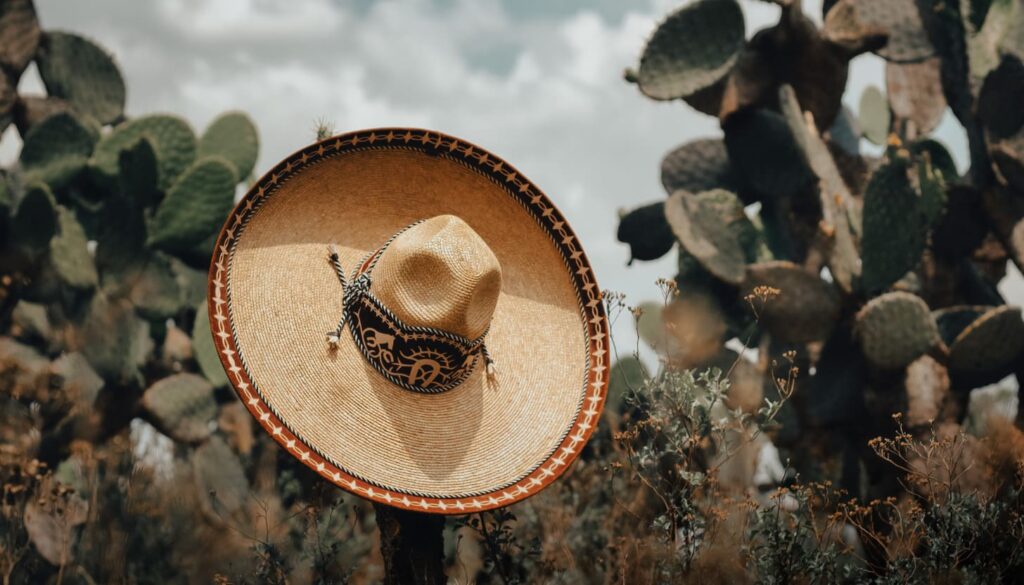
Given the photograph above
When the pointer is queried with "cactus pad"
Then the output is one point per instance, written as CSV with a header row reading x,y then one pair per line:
x,y
899,19
764,151
68,252
713,227
806,308
1001,96
895,226
220,479
173,138
915,93
19,34
195,206
627,375
204,349
951,321
182,406
30,110
698,166
695,325
988,346
35,219
56,149
927,384
115,341
937,154
75,69
80,381
895,329
647,232
836,391
692,49
139,173
155,290
873,115
1008,156
233,136
8,101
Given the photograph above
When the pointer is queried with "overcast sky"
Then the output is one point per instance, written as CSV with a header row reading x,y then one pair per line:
x,y
537,82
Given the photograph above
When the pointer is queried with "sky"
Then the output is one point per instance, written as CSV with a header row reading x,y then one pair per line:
x,y
537,82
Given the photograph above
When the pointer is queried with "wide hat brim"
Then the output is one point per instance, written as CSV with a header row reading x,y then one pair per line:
x,y
489,442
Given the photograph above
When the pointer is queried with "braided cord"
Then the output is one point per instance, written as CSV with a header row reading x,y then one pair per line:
x,y
359,286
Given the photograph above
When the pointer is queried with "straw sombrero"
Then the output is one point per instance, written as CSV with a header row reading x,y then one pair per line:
x,y
412,318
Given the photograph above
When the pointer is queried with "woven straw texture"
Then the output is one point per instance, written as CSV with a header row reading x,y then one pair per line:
x,y
273,295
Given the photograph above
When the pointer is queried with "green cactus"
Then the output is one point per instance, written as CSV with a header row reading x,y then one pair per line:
x,y
915,93
138,173
895,224
75,69
766,154
19,35
69,253
900,20
172,139
114,340
204,349
220,480
873,115
182,406
713,227
194,206
627,375
895,329
987,346
1000,97
232,136
155,290
692,49
646,231
56,149
34,220
806,309
698,166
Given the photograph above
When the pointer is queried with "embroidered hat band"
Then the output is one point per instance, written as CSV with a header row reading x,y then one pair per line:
x,y
418,358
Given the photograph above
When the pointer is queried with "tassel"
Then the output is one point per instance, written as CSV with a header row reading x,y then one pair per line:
x,y
489,366
333,339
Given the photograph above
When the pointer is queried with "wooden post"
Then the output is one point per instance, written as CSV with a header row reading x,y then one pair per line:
x,y
412,545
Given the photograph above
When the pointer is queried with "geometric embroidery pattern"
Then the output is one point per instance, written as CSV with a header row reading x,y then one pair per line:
x,y
421,359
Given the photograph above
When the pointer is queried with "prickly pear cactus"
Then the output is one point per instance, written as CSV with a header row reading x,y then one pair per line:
x,y
881,273
106,224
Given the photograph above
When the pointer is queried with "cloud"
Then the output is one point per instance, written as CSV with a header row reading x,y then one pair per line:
x,y
228,21
538,84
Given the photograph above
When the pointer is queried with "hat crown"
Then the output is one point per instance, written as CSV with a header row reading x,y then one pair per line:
x,y
439,273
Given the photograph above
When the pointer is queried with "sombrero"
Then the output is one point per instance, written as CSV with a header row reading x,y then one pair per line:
x,y
411,317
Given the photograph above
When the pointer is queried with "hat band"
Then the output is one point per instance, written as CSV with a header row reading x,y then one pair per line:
x,y
421,359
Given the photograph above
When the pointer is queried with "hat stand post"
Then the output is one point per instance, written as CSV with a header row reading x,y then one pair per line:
x,y
412,545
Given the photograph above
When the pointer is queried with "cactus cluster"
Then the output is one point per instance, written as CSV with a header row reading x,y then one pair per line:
x,y
879,274
107,224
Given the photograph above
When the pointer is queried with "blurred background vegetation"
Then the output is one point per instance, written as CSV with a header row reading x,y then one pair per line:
x,y
825,392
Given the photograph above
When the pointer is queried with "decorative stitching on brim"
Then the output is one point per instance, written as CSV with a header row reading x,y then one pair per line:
x,y
543,211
